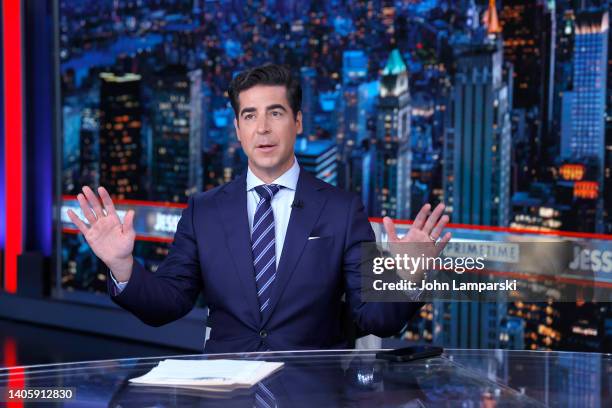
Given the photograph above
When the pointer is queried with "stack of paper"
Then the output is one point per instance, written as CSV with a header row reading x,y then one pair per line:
x,y
208,375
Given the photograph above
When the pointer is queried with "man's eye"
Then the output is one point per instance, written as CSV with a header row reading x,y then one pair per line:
x,y
249,116
276,113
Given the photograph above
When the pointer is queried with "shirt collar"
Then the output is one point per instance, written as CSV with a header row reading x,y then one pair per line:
x,y
288,179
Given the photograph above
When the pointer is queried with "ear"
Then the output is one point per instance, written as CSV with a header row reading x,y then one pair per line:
x,y
237,128
298,122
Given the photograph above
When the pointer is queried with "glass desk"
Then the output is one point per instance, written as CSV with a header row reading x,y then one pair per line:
x,y
465,378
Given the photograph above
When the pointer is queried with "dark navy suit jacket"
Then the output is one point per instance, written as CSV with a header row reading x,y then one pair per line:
x,y
212,253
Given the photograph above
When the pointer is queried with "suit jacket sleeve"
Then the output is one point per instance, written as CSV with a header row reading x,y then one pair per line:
x,y
379,318
169,293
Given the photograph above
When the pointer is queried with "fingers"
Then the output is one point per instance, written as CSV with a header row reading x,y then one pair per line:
x,y
107,201
421,217
128,221
77,221
390,228
439,228
433,219
94,202
91,219
441,244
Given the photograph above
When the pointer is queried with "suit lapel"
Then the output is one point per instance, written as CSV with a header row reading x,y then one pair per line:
x,y
301,222
232,204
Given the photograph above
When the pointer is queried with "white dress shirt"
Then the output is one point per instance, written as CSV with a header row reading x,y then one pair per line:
x,y
281,206
281,202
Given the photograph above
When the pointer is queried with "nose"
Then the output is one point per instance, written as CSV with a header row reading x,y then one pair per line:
x,y
263,125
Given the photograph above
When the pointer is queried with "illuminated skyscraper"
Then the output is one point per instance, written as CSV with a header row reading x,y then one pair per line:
x,y
569,203
354,66
177,135
361,158
309,101
529,31
590,74
469,324
354,71
90,146
121,170
328,115
564,53
491,20
318,158
366,108
71,123
541,323
392,167
477,142
221,132
584,137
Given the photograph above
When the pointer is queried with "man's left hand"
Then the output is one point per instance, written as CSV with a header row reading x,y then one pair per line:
x,y
426,228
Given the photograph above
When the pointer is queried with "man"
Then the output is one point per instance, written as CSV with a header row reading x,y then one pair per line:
x,y
273,251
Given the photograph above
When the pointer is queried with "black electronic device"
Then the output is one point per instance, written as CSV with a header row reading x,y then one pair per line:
x,y
410,353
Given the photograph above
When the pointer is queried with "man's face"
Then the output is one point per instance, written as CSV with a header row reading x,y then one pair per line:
x,y
267,129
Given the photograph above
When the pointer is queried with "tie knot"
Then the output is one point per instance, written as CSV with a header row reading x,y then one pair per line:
x,y
267,191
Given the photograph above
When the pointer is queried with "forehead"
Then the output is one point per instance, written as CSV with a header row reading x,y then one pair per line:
x,y
261,96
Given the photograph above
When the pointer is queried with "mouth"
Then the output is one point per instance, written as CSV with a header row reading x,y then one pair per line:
x,y
266,147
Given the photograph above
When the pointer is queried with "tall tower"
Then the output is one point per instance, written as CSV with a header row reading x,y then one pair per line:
x,y
393,158
121,170
491,20
477,144
89,147
318,157
471,15
590,75
529,45
309,86
354,71
584,136
177,135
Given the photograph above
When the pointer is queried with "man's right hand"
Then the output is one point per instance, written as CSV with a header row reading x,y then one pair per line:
x,y
111,241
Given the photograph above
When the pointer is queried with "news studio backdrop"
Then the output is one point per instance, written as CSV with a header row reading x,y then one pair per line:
x,y
501,110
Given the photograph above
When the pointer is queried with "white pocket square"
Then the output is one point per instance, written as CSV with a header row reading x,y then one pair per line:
x,y
309,238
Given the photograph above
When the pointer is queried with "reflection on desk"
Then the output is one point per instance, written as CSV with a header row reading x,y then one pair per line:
x,y
480,378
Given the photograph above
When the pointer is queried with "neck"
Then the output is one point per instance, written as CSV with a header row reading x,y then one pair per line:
x,y
269,175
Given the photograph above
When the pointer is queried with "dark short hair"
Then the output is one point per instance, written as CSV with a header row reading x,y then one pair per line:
x,y
269,74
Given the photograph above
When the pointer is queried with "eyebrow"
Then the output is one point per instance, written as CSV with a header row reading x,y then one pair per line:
x,y
268,108
276,106
247,110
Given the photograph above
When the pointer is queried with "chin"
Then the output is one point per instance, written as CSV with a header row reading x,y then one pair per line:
x,y
267,163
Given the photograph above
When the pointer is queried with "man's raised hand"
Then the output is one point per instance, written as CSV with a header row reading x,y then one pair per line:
x,y
111,240
427,231
425,228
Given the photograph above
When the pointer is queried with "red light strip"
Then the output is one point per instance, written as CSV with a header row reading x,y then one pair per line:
x,y
16,375
13,139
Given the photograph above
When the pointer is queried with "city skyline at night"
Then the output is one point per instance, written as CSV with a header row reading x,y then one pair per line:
x,y
500,109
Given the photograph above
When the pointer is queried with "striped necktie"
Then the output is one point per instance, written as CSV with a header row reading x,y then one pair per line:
x,y
264,397
263,244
